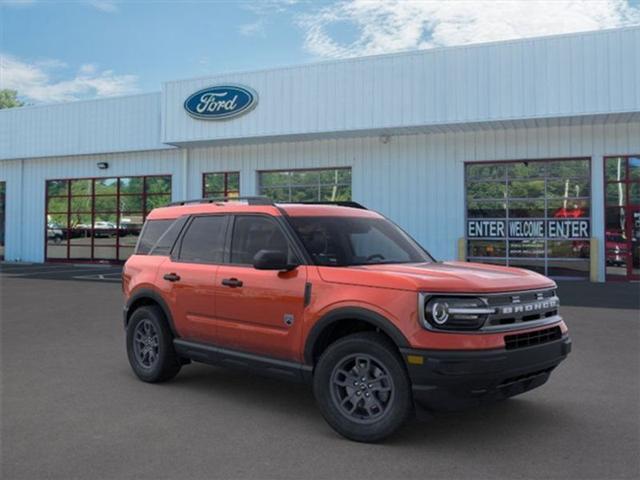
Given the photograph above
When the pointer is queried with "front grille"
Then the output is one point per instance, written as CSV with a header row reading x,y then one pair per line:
x,y
529,339
521,307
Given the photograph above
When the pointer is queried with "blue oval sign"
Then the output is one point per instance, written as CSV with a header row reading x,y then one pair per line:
x,y
221,102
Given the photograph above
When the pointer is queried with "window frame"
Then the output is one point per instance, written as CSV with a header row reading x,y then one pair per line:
x,y
224,193
628,206
545,260
319,185
92,213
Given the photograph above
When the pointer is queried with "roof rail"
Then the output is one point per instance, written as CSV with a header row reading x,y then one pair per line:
x,y
338,203
249,200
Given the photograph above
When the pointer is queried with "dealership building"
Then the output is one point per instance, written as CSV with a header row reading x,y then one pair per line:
x,y
522,153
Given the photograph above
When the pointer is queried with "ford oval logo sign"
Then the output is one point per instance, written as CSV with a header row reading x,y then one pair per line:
x,y
221,102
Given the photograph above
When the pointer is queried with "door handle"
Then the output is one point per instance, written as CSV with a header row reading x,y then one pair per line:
x,y
171,277
232,282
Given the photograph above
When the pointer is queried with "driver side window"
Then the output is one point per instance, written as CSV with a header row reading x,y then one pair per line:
x,y
252,233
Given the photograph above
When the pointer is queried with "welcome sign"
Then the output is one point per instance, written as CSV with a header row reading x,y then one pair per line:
x,y
221,102
569,229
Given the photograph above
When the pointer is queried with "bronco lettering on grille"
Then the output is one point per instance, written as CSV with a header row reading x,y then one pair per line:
x,y
530,307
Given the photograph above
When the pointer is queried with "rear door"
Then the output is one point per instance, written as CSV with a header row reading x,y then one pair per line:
x,y
188,278
260,311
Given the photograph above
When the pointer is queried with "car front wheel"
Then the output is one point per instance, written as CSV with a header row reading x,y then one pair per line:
x,y
362,387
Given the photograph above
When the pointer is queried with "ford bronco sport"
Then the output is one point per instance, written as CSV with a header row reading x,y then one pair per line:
x,y
340,297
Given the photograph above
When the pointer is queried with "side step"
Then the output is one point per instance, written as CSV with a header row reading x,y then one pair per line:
x,y
272,367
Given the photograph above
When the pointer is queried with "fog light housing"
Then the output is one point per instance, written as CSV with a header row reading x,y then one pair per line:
x,y
455,313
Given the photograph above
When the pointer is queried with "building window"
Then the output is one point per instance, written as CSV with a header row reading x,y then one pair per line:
x,y
530,214
99,219
327,185
221,184
3,189
622,217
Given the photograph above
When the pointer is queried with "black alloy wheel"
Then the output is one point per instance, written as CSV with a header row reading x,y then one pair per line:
x,y
362,388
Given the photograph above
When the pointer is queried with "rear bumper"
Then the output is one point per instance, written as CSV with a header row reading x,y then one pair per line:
x,y
448,380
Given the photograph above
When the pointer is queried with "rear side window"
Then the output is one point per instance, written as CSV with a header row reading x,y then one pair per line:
x,y
152,231
203,241
165,243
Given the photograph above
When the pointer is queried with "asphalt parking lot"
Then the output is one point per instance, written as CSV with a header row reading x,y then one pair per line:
x,y
71,408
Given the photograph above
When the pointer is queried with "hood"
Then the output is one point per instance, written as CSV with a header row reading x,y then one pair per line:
x,y
439,277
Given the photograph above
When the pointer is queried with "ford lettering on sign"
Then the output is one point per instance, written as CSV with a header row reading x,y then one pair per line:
x,y
221,102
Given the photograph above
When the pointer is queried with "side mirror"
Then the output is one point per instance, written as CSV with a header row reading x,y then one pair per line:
x,y
272,260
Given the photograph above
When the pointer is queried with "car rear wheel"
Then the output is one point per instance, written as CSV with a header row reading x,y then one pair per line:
x,y
362,387
150,346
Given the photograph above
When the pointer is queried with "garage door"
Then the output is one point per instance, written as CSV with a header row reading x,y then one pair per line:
x,y
99,219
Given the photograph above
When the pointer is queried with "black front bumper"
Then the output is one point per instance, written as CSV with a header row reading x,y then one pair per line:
x,y
449,380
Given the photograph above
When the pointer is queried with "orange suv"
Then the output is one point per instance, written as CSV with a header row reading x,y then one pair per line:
x,y
340,297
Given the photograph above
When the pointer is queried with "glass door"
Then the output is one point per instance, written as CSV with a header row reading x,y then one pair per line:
x,y
633,271
622,217
2,215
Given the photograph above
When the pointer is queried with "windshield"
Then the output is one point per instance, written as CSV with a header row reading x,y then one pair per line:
x,y
346,241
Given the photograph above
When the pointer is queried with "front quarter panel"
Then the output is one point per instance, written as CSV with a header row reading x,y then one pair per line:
x,y
400,308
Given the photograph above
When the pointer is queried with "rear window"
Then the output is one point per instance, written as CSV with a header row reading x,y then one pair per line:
x,y
152,232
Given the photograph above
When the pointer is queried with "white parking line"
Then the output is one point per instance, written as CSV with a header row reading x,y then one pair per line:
x,y
31,268
110,274
102,277
45,271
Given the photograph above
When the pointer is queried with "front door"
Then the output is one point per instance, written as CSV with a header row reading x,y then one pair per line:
x,y
259,311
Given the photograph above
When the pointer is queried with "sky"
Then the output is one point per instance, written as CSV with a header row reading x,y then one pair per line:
x,y
57,51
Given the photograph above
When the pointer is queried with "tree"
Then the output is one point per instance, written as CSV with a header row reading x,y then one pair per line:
x,y
9,99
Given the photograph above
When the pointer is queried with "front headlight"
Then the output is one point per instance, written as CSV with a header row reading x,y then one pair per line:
x,y
454,313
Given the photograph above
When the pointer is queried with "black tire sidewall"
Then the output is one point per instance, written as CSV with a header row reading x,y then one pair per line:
x,y
378,347
167,365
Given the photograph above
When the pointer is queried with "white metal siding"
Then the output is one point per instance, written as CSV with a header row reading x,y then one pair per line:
x,y
562,76
26,193
416,180
11,173
98,126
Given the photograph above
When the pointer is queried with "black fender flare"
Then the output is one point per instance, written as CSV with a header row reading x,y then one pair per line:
x,y
352,313
148,294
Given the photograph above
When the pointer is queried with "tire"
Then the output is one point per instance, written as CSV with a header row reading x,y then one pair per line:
x,y
152,357
382,405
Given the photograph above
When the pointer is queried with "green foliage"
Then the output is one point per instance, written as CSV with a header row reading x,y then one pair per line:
x,y
9,99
